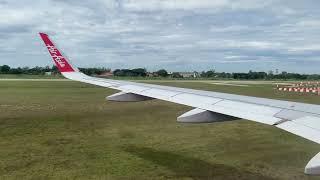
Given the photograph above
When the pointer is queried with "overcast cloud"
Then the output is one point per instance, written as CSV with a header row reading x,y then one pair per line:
x,y
179,35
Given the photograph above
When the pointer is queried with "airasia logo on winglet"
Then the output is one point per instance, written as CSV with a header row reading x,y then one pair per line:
x,y
59,59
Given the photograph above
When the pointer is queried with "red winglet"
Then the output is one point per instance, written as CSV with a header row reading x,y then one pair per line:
x,y
57,57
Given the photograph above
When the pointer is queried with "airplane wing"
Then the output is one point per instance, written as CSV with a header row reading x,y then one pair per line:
x,y
298,118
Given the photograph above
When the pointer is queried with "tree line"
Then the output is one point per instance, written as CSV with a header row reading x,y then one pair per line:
x,y
5,69
252,75
142,72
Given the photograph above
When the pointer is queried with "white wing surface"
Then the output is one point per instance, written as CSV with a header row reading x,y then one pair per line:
x,y
298,118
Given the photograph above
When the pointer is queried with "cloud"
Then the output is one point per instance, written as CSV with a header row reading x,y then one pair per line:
x,y
157,5
152,5
178,35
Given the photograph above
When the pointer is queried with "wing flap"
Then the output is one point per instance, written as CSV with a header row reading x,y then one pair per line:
x,y
307,127
252,108
194,100
133,88
247,111
160,93
242,110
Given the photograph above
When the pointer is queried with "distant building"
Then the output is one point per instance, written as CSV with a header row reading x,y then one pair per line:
x,y
190,74
152,74
106,74
48,73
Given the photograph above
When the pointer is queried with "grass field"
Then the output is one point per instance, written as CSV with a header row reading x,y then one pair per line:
x,y
66,130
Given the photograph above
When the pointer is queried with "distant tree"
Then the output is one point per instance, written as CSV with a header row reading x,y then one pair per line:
x,y
116,72
25,70
4,69
270,75
37,70
224,75
54,70
208,74
257,75
16,70
314,77
162,73
47,69
139,72
94,71
125,72
240,75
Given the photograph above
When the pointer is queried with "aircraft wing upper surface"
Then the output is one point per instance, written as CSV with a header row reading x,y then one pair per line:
x,y
298,118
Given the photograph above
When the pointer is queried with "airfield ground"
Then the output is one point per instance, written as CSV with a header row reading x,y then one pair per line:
x,y
66,130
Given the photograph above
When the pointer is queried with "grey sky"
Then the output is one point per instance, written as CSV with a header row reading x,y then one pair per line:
x,y
179,35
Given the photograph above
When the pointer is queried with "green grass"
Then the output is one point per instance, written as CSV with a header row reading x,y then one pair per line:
x,y
66,130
